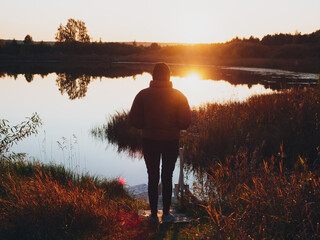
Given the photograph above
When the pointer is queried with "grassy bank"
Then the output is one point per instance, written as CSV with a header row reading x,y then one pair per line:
x,y
258,168
46,201
257,162
49,202
267,201
261,163
285,124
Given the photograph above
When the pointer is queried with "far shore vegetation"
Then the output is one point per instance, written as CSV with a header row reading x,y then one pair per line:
x,y
296,52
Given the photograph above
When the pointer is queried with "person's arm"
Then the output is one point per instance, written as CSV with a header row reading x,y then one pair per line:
x,y
184,114
136,113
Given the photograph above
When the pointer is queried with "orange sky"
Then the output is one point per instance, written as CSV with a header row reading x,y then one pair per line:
x,y
160,21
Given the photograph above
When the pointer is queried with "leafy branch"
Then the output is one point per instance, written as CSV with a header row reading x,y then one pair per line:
x,y
11,135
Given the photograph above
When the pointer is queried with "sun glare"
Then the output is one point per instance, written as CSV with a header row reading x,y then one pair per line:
x,y
199,91
192,79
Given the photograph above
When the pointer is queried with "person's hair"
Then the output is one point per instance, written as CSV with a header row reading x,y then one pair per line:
x,y
161,72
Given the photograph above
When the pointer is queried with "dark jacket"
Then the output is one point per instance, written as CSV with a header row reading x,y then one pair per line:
x,y
160,111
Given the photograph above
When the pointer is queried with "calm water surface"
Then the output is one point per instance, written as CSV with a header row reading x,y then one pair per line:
x,y
69,109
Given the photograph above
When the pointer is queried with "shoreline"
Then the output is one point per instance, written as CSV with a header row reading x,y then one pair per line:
x,y
305,65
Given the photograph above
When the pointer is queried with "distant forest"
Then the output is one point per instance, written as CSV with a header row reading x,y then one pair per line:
x,y
297,51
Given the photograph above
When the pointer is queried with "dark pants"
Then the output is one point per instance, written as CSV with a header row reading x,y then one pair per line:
x,y
152,150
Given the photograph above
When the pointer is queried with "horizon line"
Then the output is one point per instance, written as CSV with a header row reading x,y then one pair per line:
x,y
164,43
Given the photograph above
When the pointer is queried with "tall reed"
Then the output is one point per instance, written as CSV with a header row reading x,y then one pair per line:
x,y
287,122
265,202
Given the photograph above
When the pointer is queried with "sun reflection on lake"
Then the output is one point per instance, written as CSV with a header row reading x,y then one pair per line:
x,y
199,91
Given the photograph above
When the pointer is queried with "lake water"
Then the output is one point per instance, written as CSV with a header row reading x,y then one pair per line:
x,y
71,104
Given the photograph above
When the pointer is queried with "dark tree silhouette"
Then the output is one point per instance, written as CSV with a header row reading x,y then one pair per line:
x,y
75,30
2,43
82,32
155,46
28,39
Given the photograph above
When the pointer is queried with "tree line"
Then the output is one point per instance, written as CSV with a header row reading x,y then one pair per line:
x,y
73,39
283,38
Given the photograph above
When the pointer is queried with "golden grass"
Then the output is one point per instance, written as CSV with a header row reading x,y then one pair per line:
x,y
41,207
260,165
260,126
265,202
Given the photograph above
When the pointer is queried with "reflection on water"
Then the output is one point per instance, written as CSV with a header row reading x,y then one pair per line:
x,y
202,91
29,77
74,85
269,78
119,132
71,103
276,72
